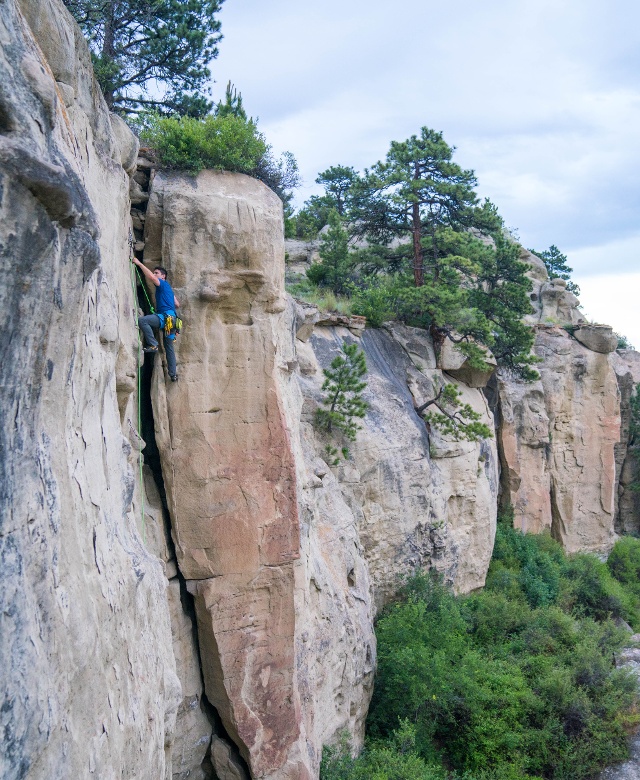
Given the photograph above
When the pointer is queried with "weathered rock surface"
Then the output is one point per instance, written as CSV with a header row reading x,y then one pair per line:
x,y
558,438
124,621
627,367
89,681
453,362
551,302
418,501
226,455
599,338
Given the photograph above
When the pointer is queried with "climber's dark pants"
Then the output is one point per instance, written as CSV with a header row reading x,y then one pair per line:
x,y
153,321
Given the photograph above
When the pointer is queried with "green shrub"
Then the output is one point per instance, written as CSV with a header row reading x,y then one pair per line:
x,y
592,591
518,680
375,300
396,759
228,143
624,563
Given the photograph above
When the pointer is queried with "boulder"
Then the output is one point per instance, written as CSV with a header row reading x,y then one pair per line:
x,y
224,762
453,362
598,338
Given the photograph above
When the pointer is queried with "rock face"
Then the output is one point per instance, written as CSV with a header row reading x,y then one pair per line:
x,y
417,501
264,528
285,633
209,612
227,461
558,439
627,367
89,680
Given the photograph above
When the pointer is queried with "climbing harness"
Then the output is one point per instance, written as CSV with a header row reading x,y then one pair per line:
x,y
172,325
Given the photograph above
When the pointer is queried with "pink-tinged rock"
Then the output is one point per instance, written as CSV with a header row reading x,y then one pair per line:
x,y
227,457
250,679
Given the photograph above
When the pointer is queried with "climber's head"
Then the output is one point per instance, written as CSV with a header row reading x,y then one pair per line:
x,y
160,272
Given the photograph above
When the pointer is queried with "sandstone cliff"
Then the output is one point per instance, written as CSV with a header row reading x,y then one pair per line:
x,y
90,686
188,587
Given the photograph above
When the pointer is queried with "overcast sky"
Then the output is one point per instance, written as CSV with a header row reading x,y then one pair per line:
x,y
540,97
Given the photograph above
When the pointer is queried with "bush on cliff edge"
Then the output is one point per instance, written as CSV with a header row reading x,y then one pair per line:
x,y
228,143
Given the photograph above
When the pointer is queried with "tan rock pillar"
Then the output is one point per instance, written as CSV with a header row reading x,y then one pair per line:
x,y
226,456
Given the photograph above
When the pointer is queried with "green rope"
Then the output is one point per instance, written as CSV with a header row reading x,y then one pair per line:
x,y
139,375
144,290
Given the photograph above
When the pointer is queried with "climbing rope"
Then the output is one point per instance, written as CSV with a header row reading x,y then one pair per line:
x,y
139,375
144,290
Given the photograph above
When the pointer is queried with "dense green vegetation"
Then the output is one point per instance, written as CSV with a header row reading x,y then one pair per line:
x,y
516,681
151,54
226,140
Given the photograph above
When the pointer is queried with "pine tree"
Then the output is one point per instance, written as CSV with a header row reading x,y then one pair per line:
x,y
557,266
343,386
333,269
151,54
501,293
454,418
232,104
338,181
413,193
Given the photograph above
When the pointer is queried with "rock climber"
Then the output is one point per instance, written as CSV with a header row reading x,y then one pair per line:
x,y
166,304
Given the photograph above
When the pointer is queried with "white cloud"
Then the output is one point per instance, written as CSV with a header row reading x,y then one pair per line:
x,y
613,299
619,256
541,98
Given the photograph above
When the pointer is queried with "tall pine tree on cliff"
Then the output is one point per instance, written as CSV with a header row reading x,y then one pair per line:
x,y
422,218
151,54
416,191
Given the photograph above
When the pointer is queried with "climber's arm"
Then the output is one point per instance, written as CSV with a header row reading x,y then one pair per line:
x,y
149,274
176,301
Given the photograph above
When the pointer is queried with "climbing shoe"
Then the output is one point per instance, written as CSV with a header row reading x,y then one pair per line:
x,y
174,377
150,349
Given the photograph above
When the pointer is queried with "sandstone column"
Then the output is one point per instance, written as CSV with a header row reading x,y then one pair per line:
x,y
226,455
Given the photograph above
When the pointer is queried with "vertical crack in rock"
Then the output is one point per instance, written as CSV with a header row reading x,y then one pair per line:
x,y
201,744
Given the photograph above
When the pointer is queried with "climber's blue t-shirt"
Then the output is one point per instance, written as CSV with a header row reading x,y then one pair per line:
x,y
164,298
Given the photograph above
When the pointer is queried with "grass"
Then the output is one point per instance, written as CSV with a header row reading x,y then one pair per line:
x,y
324,299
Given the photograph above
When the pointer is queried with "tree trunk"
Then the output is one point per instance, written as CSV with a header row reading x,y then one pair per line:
x,y
416,230
108,50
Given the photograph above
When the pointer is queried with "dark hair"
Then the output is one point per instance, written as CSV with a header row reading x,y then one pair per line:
x,y
161,269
